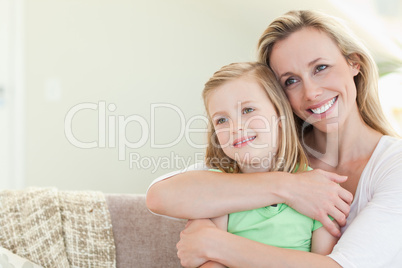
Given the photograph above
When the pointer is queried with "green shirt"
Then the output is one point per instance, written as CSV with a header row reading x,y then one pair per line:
x,y
279,226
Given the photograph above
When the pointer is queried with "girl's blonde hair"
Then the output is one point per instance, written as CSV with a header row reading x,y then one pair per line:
x,y
290,154
353,50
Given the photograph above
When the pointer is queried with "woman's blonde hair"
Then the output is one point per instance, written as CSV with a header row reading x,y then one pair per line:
x,y
353,50
290,154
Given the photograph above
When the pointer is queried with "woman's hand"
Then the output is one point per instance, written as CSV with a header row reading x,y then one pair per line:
x,y
194,242
317,194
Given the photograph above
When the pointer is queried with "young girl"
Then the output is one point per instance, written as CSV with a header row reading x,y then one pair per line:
x,y
252,130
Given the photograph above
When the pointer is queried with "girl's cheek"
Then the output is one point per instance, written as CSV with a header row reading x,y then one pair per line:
x,y
223,138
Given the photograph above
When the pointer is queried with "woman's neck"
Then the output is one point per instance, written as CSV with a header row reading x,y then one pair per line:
x,y
356,140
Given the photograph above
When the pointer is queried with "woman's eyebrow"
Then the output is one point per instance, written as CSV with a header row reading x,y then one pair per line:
x,y
285,74
313,62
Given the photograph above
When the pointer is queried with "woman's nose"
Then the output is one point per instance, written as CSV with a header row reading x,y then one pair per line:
x,y
311,90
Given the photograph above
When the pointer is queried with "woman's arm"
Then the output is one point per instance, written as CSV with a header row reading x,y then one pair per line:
x,y
235,251
205,194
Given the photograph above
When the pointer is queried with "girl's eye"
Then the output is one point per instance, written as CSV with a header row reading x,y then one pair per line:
x,y
290,81
221,121
247,110
320,68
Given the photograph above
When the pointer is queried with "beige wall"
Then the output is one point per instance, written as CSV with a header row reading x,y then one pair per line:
x,y
131,54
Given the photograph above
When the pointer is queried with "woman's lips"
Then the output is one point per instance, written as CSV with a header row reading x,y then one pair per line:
x,y
322,108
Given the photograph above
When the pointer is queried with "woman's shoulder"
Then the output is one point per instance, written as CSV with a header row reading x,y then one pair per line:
x,y
386,158
388,146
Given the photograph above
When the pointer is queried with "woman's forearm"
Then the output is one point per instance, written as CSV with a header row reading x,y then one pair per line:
x,y
226,249
205,194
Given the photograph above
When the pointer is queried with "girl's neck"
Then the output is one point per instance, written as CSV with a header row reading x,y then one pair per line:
x,y
255,167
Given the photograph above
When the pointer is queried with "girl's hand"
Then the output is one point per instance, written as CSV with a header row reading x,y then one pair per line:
x,y
194,242
317,194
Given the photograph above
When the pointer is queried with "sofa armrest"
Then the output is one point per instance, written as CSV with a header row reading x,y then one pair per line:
x,y
141,238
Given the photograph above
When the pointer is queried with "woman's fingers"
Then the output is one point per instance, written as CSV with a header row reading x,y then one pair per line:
x,y
192,244
318,194
344,208
333,176
346,196
329,225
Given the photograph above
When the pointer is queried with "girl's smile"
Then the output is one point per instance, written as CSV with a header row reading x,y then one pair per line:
x,y
243,141
245,121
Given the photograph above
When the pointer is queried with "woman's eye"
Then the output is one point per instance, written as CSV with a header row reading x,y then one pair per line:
x,y
290,81
320,68
221,121
247,110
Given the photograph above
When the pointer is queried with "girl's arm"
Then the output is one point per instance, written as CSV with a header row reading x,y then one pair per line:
x,y
322,241
235,251
205,194
222,224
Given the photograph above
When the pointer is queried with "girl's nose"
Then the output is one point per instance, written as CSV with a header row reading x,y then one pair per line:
x,y
237,126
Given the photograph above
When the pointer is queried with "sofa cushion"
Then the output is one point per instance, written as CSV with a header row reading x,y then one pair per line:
x,y
142,239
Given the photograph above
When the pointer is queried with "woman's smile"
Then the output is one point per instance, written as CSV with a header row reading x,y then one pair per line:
x,y
323,108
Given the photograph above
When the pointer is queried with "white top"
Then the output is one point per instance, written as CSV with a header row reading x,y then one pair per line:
x,y
373,234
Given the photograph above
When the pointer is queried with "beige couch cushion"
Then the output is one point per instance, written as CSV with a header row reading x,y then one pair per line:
x,y
142,239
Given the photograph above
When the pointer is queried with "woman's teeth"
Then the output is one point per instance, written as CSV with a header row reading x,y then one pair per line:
x,y
324,108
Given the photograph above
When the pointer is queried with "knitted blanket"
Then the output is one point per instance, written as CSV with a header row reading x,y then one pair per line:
x,y
57,229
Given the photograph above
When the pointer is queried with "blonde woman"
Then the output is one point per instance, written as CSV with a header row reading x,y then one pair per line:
x,y
331,83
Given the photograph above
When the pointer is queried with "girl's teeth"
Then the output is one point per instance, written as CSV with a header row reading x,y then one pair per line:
x,y
252,138
324,107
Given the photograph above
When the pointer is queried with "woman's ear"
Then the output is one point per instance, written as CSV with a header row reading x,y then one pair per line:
x,y
354,62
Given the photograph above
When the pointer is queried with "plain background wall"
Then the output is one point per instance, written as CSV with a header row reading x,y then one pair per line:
x,y
130,54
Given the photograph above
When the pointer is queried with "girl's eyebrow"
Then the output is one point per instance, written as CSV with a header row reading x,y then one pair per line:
x,y
243,103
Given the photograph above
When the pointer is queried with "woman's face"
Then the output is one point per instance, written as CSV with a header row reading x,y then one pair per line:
x,y
316,77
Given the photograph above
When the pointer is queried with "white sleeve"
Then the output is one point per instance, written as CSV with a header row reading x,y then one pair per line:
x,y
374,237
197,166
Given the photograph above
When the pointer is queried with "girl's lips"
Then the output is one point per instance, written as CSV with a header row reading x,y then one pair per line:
x,y
243,141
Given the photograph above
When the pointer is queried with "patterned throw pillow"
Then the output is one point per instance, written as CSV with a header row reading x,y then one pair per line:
x,y
10,260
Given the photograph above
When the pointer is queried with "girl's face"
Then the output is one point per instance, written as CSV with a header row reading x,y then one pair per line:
x,y
246,123
316,78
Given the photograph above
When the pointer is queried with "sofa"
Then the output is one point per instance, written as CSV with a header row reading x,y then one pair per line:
x,y
141,238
